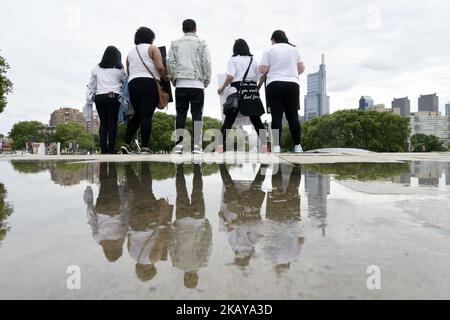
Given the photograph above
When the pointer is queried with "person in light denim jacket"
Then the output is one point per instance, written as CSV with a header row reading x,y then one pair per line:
x,y
189,67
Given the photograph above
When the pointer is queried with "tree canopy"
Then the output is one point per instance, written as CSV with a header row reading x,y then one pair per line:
x,y
23,132
370,130
73,133
426,143
6,85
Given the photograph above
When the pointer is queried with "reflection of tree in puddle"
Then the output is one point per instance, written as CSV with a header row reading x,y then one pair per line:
x,y
5,211
360,171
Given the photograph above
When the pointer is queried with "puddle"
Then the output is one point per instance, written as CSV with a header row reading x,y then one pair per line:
x,y
165,231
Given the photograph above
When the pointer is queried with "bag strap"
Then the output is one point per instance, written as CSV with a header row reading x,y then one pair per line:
x,y
246,72
145,65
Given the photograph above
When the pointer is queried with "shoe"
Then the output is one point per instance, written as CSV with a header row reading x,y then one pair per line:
x,y
126,149
298,149
197,150
145,150
276,149
178,149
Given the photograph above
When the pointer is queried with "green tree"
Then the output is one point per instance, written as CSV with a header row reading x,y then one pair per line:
x,y
371,130
426,143
5,211
24,131
6,85
74,133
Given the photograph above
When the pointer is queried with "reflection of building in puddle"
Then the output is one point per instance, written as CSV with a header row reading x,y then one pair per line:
x,y
317,187
425,174
73,174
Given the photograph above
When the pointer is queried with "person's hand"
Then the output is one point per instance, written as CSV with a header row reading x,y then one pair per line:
x,y
174,83
221,90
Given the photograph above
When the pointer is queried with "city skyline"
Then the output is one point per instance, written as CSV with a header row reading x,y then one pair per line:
x,y
365,45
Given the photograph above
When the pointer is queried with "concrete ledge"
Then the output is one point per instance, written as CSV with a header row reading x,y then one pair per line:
x,y
242,157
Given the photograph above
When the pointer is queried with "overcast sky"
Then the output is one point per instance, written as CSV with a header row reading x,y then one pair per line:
x,y
385,49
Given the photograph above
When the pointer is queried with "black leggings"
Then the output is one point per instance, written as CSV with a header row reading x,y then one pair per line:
x,y
144,98
229,121
284,97
108,112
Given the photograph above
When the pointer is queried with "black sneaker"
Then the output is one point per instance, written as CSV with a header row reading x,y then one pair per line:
x,y
145,150
126,149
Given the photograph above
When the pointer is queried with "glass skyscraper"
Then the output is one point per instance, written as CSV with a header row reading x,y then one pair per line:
x,y
317,103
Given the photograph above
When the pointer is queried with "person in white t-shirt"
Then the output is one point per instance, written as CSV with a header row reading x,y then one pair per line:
x,y
104,88
237,66
282,66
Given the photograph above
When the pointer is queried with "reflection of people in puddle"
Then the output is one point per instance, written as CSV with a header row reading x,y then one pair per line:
x,y
149,223
283,233
107,220
191,242
241,213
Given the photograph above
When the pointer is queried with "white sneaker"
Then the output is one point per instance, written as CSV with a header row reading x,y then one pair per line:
x,y
298,149
276,149
197,150
178,149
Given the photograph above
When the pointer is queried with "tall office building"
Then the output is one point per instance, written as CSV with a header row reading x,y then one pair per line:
x,y
317,187
317,103
404,105
429,103
447,109
365,102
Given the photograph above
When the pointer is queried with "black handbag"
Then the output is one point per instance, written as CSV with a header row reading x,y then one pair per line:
x,y
231,105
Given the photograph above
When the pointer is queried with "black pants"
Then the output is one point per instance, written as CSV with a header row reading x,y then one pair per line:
x,y
195,98
229,121
144,98
108,112
196,207
284,97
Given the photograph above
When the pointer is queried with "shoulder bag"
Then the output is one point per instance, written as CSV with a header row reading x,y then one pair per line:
x,y
163,97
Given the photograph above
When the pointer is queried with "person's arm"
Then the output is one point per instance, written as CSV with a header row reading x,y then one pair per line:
x,y
227,82
155,54
264,65
231,73
300,64
128,67
171,64
300,68
91,87
261,81
206,65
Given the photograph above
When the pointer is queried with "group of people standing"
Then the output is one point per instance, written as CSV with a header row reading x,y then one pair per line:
x,y
188,68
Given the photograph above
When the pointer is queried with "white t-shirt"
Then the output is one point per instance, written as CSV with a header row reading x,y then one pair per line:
x,y
237,66
106,80
282,60
190,83
136,68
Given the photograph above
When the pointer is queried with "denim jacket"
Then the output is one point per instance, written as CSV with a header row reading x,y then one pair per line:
x,y
126,110
189,58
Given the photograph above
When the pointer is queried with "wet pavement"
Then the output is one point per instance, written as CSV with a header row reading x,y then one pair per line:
x,y
146,230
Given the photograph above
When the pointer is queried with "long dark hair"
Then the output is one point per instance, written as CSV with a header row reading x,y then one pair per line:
x,y
112,58
279,36
241,48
